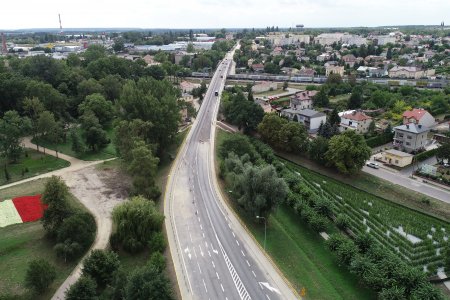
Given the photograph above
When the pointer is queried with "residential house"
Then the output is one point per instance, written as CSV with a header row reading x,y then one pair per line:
x,y
277,51
306,72
290,71
308,117
409,72
418,116
187,87
323,57
397,158
258,67
302,100
349,59
264,87
335,70
355,120
410,137
150,60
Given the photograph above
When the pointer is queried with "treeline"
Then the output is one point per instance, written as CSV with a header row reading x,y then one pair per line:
x,y
138,229
375,266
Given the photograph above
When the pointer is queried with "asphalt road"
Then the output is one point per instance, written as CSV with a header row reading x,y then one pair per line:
x,y
214,257
413,184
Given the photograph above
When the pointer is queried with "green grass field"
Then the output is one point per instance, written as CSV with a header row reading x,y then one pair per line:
x,y
22,243
66,148
36,163
301,254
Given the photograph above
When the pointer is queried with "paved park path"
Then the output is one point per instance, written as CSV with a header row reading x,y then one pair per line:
x,y
94,189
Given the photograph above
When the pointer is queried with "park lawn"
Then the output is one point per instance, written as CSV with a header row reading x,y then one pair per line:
x,y
37,163
22,243
339,98
66,147
301,254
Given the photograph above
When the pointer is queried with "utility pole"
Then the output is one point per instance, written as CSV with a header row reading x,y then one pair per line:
x,y
265,230
4,48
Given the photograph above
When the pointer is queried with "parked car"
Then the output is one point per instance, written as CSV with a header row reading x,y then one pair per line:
x,y
373,165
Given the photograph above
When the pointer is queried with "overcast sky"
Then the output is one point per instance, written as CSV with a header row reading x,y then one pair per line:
x,y
220,13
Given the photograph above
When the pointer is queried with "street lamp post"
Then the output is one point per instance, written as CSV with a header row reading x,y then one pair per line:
x,y
265,230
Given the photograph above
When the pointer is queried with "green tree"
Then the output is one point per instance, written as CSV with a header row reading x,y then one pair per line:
x,y
33,107
190,48
118,45
285,86
126,132
136,220
321,98
75,235
293,137
269,128
77,144
260,189
334,117
238,144
93,53
101,266
46,126
94,136
55,196
334,78
347,152
317,148
40,275
12,128
143,167
102,108
356,98
155,102
148,283
84,289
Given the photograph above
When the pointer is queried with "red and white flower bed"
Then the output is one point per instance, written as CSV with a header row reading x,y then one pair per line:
x,y
20,210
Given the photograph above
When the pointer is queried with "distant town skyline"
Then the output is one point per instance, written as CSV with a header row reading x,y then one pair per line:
x,y
222,13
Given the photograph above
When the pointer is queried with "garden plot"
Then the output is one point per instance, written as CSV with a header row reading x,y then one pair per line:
x,y
20,210
416,237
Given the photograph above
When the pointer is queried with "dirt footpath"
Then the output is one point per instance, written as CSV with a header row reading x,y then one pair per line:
x,y
100,190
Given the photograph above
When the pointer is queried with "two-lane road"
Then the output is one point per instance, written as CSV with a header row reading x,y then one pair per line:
x,y
214,257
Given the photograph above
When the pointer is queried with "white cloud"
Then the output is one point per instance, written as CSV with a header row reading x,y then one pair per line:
x,y
220,13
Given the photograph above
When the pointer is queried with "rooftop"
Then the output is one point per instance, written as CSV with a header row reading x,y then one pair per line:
x,y
416,113
356,116
413,128
398,153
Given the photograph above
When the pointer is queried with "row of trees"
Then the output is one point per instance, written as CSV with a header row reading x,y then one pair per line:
x,y
381,270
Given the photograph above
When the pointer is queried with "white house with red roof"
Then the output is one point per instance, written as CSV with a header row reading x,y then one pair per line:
x,y
355,120
302,100
418,116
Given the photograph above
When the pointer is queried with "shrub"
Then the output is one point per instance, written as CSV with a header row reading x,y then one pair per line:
x,y
342,221
75,235
40,275
101,266
83,289
317,222
157,242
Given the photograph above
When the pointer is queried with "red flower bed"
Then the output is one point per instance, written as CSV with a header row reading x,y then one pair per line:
x,y
30,208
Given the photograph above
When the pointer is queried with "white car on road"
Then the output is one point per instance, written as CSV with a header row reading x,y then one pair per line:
x,y
373,165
